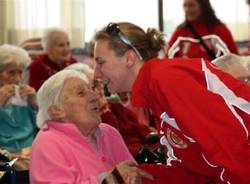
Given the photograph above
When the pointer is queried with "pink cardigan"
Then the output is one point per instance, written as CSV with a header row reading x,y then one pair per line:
x,y
61,154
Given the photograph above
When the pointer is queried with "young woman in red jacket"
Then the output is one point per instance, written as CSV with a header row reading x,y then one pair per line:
x,y
202,111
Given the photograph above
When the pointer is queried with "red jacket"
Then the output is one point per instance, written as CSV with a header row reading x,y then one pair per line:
x,y
205,116
195,50
124,120
42,68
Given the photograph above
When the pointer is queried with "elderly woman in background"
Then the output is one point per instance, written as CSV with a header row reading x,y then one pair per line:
x,y
73,145
57,56
17,102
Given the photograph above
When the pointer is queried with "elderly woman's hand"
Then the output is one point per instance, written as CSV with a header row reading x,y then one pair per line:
x,y
6,92
26,90
131,174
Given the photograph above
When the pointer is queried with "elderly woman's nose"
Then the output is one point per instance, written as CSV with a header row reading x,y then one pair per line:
x,y
92,95
16,78
67,48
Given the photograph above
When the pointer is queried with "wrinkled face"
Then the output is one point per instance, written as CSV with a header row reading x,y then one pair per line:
x,y
80,103
111,68
11,74
98,87
192,10
60,50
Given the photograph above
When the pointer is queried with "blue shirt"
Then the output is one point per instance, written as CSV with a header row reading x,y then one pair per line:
x,y
18,128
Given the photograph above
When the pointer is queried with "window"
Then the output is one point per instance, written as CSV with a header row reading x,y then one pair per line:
x,y
100,13
36,14
24,19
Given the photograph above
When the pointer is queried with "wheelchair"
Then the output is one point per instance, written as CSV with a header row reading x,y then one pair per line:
x,y
9,174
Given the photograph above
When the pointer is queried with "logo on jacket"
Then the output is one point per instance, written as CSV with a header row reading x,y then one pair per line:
x,y
174,140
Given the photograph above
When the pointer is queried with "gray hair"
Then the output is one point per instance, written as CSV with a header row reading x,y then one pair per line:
x,y
49,36
83,68
10,54
237,66
49,92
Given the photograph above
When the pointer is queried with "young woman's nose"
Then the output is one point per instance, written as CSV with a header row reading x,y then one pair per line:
x,y
98,74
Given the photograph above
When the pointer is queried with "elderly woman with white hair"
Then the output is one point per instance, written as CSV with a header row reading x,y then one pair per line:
x,y
237,66
57,56
117,115
17,102
73,146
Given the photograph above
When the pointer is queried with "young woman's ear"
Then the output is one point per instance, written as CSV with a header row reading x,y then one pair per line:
x,y
131,58
56,112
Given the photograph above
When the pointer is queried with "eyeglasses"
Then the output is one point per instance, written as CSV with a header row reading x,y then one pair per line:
x,y
114,30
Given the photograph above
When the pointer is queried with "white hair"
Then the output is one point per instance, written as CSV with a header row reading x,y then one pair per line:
x,y
49,92
83,68
10,54
237,66
49,36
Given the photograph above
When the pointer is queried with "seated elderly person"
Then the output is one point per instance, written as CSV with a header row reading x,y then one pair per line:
x,y
237,66
116,115
57,56
17,102
73,146
134,134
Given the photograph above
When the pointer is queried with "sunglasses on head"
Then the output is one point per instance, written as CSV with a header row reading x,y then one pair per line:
x,y
113,30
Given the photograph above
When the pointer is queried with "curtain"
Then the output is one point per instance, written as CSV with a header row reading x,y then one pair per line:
x,y
24,19
73,19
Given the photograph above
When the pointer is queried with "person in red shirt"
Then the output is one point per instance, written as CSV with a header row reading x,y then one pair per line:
x,y
202,111
124,120
143,115
200,21
57,56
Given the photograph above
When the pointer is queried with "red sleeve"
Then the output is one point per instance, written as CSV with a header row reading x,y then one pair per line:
x,y
127,123
141,130
174,37
109,118
224,33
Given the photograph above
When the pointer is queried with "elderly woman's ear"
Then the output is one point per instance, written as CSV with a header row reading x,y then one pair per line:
x,y
56,112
